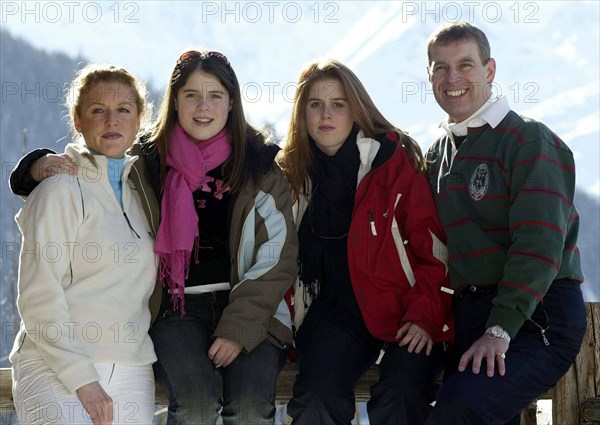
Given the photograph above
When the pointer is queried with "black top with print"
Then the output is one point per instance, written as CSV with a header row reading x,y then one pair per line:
x,y
212,207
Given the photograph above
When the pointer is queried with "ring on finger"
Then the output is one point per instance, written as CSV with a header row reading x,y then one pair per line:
x,y
501,355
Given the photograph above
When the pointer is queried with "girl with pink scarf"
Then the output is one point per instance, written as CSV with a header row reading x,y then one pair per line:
x,y
227,250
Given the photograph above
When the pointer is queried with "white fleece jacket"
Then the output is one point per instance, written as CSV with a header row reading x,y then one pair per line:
x,y
86,272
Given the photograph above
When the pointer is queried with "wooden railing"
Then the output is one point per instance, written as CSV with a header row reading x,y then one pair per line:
x,y
575,398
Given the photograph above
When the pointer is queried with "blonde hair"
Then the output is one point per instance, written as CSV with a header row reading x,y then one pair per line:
x,y
92,74
296,157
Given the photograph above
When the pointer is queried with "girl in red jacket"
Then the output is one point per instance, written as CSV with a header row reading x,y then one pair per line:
x,y
372,256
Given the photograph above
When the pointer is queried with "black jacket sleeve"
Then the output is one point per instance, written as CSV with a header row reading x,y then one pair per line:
x,y
21,182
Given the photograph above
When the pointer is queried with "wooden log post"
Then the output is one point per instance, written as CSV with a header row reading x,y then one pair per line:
x,y
529,414
590,412
581,384
6,399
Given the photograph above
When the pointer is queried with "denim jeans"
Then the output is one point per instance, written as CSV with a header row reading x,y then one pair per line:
x,y
334,350
531,366
189,376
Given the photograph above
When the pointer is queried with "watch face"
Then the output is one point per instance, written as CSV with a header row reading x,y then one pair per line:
x,y
496,331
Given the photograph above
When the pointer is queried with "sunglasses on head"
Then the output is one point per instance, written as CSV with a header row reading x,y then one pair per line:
x,y
194,54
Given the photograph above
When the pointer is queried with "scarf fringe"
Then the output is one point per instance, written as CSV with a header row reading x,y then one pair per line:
x,y
169,265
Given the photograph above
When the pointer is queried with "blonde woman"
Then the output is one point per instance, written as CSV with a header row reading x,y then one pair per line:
x,y
87,271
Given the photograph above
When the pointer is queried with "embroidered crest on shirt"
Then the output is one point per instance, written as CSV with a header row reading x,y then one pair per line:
x,y
479,183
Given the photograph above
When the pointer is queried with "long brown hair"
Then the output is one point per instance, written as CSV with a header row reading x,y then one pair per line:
x,y
238,168
296,158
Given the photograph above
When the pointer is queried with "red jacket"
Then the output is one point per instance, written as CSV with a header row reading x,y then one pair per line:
x,y
396,245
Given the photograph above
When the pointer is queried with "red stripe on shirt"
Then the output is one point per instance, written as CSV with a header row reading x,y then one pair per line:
x,y
441,196
557,142
549,261
457,188
479,129
460,222
551,226
489,196
514,131
546,191
454,188
547,159
522,288
475,253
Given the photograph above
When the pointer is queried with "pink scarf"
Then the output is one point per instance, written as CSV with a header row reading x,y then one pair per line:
x,y
178,230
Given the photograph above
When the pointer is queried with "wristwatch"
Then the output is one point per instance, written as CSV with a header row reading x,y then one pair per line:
x,y
498,332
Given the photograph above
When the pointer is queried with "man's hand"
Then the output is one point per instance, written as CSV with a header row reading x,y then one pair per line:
x,y
97,403
224,351
487,347
416,337
52,164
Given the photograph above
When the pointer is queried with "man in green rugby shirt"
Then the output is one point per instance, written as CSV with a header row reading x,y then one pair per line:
x,y
504,188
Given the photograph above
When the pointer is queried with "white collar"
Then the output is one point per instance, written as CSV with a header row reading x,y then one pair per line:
x,y
492,112
367,149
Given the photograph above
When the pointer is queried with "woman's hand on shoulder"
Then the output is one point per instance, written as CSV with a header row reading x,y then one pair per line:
x,y
224,351
97,403
52,164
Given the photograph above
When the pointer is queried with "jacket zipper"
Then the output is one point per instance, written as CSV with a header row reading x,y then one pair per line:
x,y
373,231
129,224
372,223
